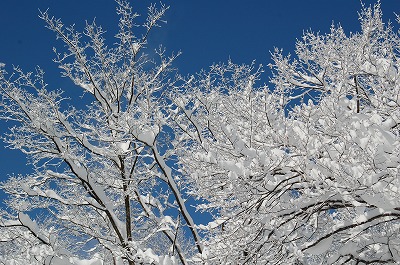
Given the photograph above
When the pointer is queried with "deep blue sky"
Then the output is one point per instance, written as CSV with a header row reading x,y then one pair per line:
x,y
205,31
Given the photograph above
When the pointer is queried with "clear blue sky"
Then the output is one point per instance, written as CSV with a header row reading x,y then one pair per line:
x,y
205,31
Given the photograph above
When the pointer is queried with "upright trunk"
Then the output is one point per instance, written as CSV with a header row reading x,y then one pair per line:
x,y
127,202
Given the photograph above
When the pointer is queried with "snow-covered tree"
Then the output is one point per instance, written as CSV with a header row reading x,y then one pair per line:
x,y
105,188
307,172
303,172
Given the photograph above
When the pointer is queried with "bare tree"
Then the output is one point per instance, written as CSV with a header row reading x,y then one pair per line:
x,y
308,172
105,185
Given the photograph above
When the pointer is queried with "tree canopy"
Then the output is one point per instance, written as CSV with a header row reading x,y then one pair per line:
x,y
305,171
